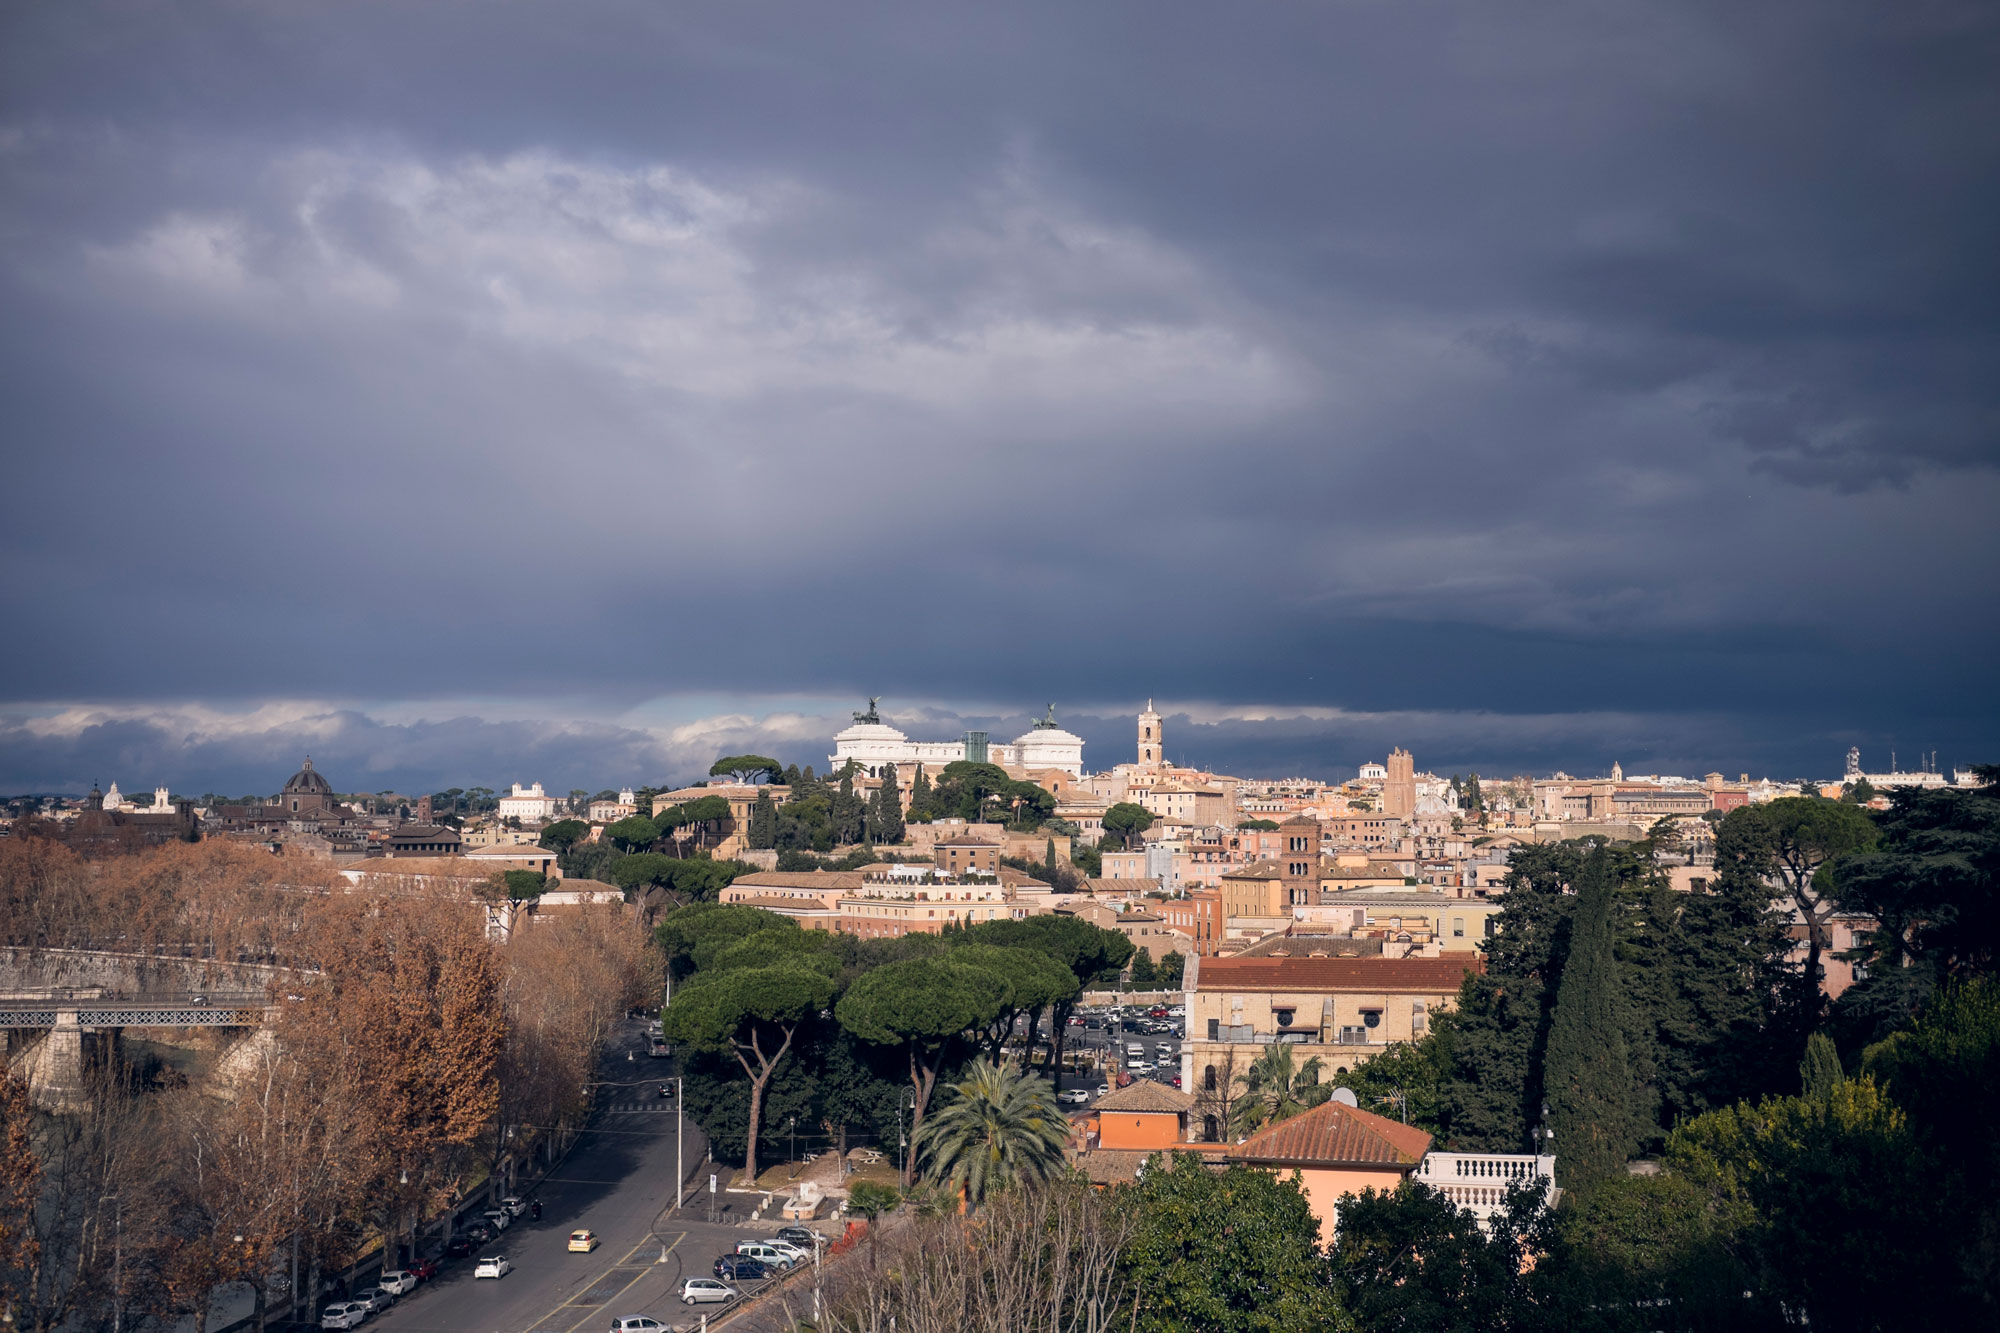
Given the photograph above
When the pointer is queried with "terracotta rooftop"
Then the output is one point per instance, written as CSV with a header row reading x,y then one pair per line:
x,y
776,904
1146,1095
1111,1166
1364,974
1333,1134
800,879
1131,888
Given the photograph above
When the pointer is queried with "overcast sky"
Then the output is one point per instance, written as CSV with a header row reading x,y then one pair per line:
x,y
477,393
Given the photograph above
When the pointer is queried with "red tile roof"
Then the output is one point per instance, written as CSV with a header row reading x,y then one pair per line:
x,y
1366,974
1334,1134
1146,1095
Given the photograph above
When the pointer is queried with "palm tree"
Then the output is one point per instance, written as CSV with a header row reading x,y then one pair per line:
x,y
1274,1090
998,1126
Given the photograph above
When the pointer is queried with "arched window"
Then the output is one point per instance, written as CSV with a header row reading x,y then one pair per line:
x,y
1209,1128
1208,1079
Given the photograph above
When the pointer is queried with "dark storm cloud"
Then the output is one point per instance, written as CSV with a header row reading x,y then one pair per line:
x,y
1616,361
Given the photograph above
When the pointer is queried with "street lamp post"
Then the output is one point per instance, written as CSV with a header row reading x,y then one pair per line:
x,y
902,1139
680,1138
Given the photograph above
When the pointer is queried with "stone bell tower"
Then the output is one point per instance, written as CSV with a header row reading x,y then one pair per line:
x,y
1150,738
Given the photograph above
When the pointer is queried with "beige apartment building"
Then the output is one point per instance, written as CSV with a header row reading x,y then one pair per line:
x,y
1419,917
1199,806
1341,1010
742,800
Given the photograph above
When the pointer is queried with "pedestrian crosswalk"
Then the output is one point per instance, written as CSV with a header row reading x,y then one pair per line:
x,y
639,1106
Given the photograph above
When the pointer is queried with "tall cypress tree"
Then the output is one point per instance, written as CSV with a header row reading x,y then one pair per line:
x,y
849,815
1587,1072
889,807
763,831
920,798
1820,1072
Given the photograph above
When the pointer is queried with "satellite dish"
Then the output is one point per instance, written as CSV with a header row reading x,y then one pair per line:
x,y
1346,1097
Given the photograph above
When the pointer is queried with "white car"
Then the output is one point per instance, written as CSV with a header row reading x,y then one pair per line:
x,y
798,1253
513,1206
704,1290
1139,1067
771,1256
1103,1089
493,1267
499,1217
342,1316
1073,1097
398,1283
639,1324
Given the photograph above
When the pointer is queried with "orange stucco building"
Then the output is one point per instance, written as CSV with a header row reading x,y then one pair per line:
x,y
1336,1149
1142,1117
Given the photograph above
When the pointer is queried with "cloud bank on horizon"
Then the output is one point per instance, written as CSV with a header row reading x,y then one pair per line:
x,y
1525,386
196,748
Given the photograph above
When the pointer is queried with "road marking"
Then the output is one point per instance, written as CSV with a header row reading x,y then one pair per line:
x,y
596,1309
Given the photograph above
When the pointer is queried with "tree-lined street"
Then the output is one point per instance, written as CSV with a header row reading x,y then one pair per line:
x,y
618,1182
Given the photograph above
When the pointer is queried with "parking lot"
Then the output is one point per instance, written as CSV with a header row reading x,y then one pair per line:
x,y
1104,1038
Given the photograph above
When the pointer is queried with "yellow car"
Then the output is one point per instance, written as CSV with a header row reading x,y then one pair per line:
x,y
582,1242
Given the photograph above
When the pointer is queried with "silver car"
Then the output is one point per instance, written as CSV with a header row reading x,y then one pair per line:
x,y
706,1290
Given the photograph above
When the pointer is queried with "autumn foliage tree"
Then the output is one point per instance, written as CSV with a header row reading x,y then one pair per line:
x,y
405,1015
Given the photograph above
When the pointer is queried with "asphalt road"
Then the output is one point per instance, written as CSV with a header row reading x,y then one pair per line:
x,y
619,1182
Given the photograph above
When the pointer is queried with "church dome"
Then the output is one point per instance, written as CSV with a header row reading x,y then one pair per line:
x,y
306,782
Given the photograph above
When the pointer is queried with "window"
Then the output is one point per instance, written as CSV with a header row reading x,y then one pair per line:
x,y
1215,1029
1284,1016
1209,1128
1458,927
1208,1079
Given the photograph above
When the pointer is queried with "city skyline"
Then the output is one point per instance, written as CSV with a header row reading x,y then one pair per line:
x,y
213,752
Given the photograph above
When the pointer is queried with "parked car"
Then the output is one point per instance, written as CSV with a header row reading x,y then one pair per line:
x,y
804,1237
772,1256
513,1206
494,1266
796,1252
582,1241
374,1298
705,1290
741,1268
639,1324
423,1270
340,1315
460,1246
498,1218
398,1282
